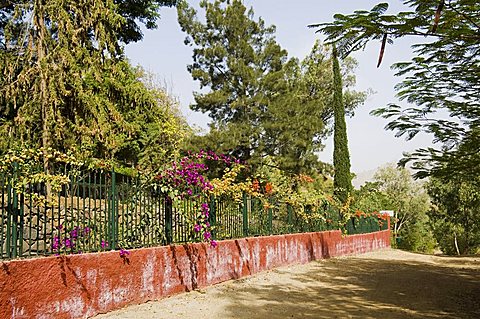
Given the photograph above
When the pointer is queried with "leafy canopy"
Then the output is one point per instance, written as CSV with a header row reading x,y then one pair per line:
x,y
261,103
442,81
67,86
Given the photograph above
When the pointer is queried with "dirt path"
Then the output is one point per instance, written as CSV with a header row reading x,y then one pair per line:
x,y
382,284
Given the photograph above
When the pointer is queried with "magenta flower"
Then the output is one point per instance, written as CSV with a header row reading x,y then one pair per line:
x,y
213,243
74,233
56,243
124,253
104,244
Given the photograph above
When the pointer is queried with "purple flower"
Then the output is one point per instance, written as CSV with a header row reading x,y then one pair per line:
x,y
74,233
213,243
86,230
197,228
124,253
207,235
104,244
205,207
56,243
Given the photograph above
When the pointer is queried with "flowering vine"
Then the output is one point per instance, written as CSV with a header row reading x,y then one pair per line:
x,y
187,178
69,242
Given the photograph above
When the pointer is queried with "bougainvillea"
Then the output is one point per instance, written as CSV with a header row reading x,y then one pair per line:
x,y
187,178
71,239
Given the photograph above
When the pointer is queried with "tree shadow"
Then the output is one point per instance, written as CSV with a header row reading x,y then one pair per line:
x,y
362,288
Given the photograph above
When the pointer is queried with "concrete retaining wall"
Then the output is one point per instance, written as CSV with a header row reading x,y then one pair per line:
x,y
80,286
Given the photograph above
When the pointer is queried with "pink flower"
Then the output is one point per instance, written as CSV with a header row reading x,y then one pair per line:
x,y
124,253
197,228
213,243
207,235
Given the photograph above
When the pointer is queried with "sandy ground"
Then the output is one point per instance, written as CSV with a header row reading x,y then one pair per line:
x,y
382,284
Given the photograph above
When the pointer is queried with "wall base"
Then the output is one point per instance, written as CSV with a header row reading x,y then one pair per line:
x,y
81,286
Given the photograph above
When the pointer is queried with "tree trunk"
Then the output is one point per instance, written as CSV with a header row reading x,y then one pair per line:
x,y
456,243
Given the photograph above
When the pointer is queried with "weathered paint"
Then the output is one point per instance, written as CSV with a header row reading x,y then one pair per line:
x,y
80,286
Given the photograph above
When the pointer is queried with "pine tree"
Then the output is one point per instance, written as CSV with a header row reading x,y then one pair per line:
x,y
261,103
239,59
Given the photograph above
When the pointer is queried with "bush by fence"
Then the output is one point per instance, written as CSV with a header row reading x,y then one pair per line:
x,y
99,210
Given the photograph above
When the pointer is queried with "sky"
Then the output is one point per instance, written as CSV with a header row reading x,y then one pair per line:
x,y
163,53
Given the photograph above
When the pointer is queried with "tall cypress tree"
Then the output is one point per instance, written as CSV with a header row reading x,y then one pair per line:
x,y
342,182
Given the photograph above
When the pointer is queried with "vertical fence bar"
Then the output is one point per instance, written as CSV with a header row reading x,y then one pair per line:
x,y
8,236
2,213
290,218
96,231
270,220
103,238
89,222
21,223
15,214
30,219
213,216
245,214
112,232
168,220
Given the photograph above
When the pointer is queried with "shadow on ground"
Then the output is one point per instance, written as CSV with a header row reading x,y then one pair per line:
x,y
364,288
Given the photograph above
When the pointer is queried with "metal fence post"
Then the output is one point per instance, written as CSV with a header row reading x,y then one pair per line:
x,y
8,235
290,217
12,216
168,220
270,221
112,229
212,217
245,215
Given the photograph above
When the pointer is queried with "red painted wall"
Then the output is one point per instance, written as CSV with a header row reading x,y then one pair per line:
x,y
80,286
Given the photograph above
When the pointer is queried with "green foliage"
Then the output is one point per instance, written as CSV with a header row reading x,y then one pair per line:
x,y
67,87
395,189
239,59
342,182
442,80
369,198
134,11
418,236
261,103
456,214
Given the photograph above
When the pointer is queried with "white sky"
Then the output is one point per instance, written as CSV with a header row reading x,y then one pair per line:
x,y
163,52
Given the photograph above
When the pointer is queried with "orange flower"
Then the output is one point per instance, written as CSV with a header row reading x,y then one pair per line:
x,y
268,188
305,178
255,185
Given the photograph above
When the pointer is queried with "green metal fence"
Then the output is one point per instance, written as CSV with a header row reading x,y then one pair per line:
x,y
103,210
